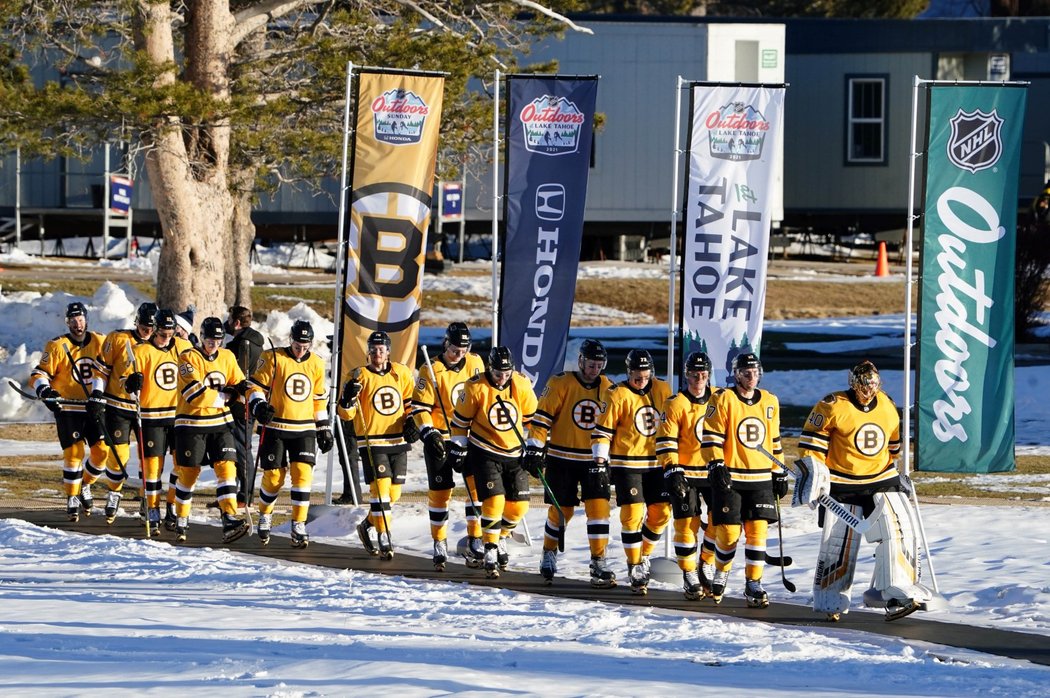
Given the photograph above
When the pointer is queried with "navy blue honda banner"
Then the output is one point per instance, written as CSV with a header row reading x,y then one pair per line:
x,y
548,152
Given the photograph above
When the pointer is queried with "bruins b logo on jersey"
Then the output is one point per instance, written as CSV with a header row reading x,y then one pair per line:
x,y
585,413
215,380
503,416
751,432
646,420
166,376
870,439
298,387
386,401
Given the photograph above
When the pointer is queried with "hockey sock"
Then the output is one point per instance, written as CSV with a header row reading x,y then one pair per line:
x,y
755,533
302,480
597,525
492,517
631,531
437,506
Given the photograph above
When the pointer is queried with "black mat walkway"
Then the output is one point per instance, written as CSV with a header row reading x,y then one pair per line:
x,y
1025,646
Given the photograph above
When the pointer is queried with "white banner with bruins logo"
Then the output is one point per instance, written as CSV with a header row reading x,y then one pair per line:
x,y
394,153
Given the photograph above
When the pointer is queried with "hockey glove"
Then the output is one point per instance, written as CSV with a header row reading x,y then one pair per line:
x,y
263,413
325,440
351,389
133,383
410,432
780,485
598,475
434,446
677,486
718,475
96,407
812,480
532,462
50,397
457,456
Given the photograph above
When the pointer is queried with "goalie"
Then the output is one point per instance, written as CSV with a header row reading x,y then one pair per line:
x,y
848,446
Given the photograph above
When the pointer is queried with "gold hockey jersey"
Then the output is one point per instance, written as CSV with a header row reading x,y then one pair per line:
x,y
201,378
681,433
382,406
567,412
159,396
495,419
858,443
55,370
112,366
734,429
300,393
451,380
626,432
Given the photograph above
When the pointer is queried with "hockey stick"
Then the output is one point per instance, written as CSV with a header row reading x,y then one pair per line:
x,y
375,478
102,425
30,396
249,479
788,584
563,524
138,434
448,425
827,501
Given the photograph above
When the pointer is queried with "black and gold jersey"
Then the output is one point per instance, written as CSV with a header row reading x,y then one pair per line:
x,y
382,406
451,380
300,393
567,412
70,380
113,365
202,405
681,433
734,430
625,434
494,419
857,442
159,367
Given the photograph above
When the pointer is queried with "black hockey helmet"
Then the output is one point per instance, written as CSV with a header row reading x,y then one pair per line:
x,y
302,331
212,328
746,360
146,315
379,338
500,359
593,350
865,376
76,309
457,334
639,360
165,319
698,361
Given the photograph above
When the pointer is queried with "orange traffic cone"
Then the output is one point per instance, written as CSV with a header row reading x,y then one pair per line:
x,y
882,266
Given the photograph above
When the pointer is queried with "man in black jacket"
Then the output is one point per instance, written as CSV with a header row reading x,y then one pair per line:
x,y
247,346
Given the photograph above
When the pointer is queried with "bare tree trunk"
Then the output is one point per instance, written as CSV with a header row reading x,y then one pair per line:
x,y
238,263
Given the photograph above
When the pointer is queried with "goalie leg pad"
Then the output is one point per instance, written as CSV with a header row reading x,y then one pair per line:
x,y
836,563
895,529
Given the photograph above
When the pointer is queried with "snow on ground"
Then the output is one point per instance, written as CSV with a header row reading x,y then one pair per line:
x,y
90,615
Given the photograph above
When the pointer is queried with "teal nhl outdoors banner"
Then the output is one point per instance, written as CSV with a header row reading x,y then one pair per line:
x,y
965,378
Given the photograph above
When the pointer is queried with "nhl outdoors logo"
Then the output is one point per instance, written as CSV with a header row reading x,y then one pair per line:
x,y
976,141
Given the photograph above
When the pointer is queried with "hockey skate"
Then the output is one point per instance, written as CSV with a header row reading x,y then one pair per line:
x,y
475,556
233,529
707,572
440,555
718,585
182,525
265,522
502,556
897,609
755,595
364,533
386,549
153,516
170,520
601,576
639,577
73,508
85,499
691,585
491,561
549,565
112,504
300,538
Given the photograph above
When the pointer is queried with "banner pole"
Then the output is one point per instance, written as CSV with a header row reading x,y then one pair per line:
x,y
340,285
909,280
674,232
495,206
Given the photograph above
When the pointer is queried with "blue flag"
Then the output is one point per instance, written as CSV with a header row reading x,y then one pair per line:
x,y
548,146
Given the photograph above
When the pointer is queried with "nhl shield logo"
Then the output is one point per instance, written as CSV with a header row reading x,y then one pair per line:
x,y
976,141
398,117
551,125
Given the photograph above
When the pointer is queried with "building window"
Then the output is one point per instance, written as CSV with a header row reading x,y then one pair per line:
x,y
866,120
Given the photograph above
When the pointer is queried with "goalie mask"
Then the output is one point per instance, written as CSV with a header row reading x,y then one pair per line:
x,y
865,381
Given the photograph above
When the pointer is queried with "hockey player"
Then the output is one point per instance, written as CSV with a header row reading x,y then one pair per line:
x,y
854,436
209,379
112,405
490,419
60,384
289,397
378,399
740,420
678,451
568,410
155,384
624,440
432,408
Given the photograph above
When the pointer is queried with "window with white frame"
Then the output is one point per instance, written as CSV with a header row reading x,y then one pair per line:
x,y
866,120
